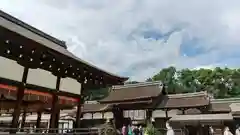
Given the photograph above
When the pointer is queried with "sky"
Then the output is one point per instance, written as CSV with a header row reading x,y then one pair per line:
x,y
137,38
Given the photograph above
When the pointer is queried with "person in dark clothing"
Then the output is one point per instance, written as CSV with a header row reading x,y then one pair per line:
x,y
136,131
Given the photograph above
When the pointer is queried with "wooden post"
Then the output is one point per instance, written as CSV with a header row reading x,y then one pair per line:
x,y
38,123
166,113
118,116
79,111
57,117
149,115
20,95
23,121
54,109
183,111
39,116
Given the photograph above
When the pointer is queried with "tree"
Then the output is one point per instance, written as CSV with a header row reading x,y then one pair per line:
x,y
149,80
167,76
131,82
221,82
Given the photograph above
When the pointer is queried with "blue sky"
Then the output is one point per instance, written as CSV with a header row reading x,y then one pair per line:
x,y
137,38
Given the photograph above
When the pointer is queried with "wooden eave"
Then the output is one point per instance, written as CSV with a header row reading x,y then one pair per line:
x,y
54,53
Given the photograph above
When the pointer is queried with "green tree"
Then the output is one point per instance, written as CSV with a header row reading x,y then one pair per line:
x,y
186,79
167,76
221,82
131,82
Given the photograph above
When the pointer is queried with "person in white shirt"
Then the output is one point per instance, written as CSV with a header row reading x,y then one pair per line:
x,y
169,129
226,131
237,132
211,130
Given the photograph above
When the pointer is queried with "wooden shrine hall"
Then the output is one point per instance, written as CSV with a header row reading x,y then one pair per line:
x,y
37,68
146,101
149,102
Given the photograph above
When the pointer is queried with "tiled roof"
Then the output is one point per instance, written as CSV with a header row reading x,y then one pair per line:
x,y
187,100
134,92
202,117
222,105
87,108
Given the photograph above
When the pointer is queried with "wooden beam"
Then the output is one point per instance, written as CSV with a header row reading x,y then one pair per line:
x,y
17,108
166,113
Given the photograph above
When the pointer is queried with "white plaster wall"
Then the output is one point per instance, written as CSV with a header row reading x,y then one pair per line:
x,y
70,85
158,114
42,78
87,116
108,115
70,124
135,114
10,69
97,116
161,114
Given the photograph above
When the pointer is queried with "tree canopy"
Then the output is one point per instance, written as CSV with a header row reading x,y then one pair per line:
x,y
221,82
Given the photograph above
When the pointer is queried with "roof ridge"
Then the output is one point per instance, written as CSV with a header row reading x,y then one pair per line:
x,y
137,85
194,94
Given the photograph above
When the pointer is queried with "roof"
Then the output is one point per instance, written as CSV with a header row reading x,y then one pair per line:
x,y
222,105
235,109
87,108
32,29
13,24
90,108
202,118
187,100
133,92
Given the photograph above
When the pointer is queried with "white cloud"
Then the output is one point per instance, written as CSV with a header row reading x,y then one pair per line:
x,y
109,33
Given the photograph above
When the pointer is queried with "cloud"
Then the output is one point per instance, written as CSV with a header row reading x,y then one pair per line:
x,y
137,38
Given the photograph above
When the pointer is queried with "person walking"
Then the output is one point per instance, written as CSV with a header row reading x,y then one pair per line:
x,y
237,132
130,130
124,130
135,130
